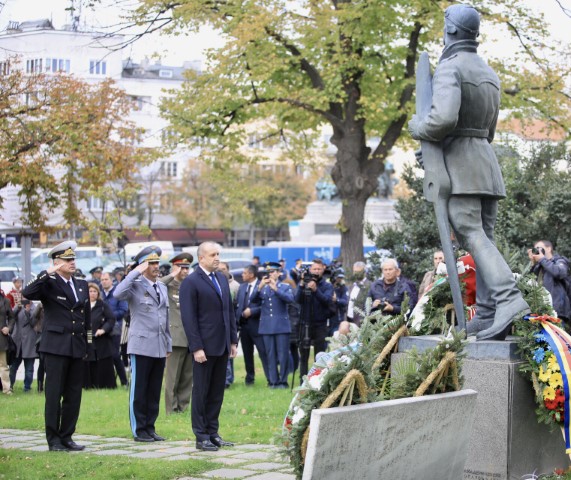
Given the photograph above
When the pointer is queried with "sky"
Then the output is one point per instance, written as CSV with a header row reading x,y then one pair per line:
x,y
175,50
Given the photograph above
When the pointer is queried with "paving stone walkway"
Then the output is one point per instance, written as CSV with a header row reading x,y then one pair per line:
x,y
250,461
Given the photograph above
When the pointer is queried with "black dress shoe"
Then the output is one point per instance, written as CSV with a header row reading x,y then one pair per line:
x,y
144,437
220,443
71,445
207,446
58,448
156,438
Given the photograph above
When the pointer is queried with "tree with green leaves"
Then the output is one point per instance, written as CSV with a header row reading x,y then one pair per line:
x,y
64,141
237,196
343,63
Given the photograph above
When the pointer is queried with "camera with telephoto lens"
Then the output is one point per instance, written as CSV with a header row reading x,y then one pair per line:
x,y
538,251
262,273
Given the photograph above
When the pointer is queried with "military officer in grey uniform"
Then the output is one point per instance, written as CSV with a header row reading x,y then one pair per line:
x,y
149,341
463,117
178,382
66,333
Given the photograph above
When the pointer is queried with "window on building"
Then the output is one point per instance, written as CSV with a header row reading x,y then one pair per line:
x,y
169,169
165,202
94,203
4,68
54,65
34,65
31,99
97,67
139,103
165,73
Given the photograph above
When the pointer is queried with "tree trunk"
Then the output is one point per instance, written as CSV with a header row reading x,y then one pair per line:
x,y
355,174
352,216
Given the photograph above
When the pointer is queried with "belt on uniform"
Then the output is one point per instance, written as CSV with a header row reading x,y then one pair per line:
x,y
470,132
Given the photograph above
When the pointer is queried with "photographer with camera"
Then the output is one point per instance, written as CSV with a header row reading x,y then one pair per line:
x,y
340,300
551,270
274,297
314,296
388,292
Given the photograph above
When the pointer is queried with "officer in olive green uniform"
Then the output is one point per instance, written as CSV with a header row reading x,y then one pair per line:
x,y
178,384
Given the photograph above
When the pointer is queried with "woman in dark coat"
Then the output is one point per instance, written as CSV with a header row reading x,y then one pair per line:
x,y
24,337
6,324
99,370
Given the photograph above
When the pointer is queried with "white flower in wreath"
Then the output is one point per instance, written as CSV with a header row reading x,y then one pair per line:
x,y
316,381
345,359
417,317
298,415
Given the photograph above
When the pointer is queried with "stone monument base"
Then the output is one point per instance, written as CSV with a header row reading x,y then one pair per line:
x,y
507,442
406,439
322,217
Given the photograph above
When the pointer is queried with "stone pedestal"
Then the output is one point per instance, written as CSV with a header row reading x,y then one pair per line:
x,y
507,442
322,217
406,439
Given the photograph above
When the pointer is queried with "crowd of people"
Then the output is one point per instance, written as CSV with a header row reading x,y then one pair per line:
x,y
185,324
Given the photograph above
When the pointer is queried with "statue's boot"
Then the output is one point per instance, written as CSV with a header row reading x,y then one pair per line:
x,y
503,320
478,324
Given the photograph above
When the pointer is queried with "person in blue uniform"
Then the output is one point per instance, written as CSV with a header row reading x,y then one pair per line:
x,y
149,341
66,334
274,297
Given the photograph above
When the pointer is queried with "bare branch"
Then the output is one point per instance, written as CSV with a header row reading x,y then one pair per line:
x,y
566,11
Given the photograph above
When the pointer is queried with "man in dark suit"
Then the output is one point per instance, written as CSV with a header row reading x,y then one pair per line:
x,y
208,319
149,342
65,337
248,318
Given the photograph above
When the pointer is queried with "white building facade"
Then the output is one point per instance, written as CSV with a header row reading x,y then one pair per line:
x,y
92,57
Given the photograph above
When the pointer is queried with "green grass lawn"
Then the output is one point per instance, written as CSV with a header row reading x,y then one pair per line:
x,y
249,415
24,465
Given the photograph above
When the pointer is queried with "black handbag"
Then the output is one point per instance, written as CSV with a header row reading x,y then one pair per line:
x,y
12,351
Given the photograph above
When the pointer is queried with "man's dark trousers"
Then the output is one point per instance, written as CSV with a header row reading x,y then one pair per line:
x,y
145,394
207,395
317,333
250,337
64,379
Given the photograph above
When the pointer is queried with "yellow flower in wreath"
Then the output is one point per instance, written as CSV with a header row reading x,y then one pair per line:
x,y
549,393
552,363
556,380
543,374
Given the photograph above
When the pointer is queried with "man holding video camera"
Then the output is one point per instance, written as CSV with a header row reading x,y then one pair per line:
x,y
551,270
314,296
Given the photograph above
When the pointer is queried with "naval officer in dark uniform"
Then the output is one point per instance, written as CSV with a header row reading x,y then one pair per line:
x,y
65,337
149,342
